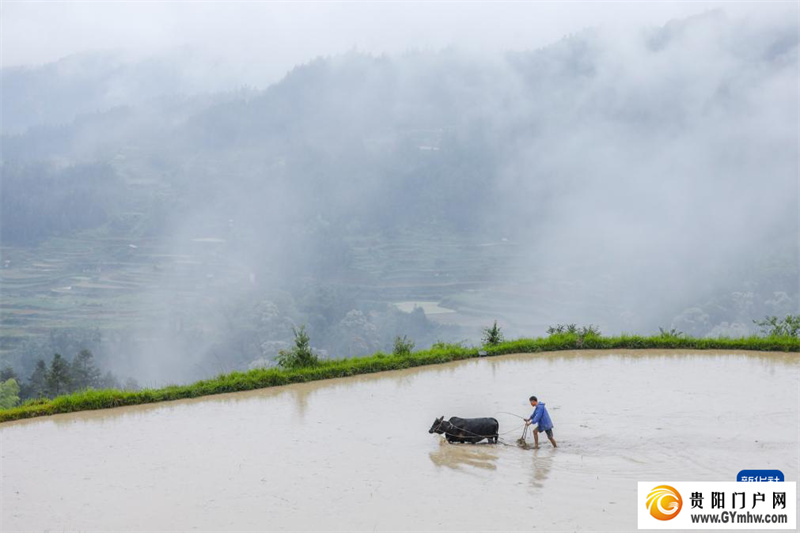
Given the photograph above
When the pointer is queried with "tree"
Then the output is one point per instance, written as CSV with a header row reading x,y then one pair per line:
x,y
357,335
492,336
403,345
301,355
109,381
130,385
772,326
84,372
8,373
37,383
58,376
9,394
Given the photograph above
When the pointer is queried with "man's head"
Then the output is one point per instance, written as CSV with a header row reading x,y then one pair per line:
x,y
534,401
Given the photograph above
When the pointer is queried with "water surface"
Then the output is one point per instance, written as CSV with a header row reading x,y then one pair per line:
x,y
355,454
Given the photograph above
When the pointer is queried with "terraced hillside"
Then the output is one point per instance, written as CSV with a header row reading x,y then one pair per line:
x,y
111,283
104,282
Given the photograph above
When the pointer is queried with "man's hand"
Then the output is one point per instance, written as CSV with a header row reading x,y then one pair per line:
x,y
527,421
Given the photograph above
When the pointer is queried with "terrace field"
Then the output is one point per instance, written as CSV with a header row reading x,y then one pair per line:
x,y
108,283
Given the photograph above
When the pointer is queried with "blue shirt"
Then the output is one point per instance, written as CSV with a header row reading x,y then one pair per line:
x,y
540,416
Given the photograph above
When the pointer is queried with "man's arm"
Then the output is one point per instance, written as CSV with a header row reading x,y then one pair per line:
x,y
533,419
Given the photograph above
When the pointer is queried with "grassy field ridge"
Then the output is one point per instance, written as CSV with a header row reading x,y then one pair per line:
x,y
379,362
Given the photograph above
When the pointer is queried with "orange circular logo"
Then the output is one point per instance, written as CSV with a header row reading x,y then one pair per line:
x,y
664,502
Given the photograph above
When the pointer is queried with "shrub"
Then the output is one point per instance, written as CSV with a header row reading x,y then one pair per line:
x,y
440,353
559,329
301,355
439,346
574,329
670,333
9,393
492,336
403,345
589,331
772,326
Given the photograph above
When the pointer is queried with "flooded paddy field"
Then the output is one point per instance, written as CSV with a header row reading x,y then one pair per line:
x,y
355,453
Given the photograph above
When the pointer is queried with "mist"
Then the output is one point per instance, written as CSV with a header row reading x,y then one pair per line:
x,y
178,207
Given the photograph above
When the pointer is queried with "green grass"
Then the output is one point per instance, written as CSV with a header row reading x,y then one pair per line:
x,y
262,378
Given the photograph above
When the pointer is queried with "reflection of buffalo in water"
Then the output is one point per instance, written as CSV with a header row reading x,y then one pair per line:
x,y
466,429
465,458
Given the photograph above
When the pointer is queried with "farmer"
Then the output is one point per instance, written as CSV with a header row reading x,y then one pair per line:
x,y
541,417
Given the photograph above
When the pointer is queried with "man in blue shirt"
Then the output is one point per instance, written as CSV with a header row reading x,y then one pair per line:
x,y
541,417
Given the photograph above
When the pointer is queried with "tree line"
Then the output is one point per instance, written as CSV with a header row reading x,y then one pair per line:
x,y
59,377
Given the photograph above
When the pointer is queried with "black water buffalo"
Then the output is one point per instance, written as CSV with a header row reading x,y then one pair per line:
x,y
466,429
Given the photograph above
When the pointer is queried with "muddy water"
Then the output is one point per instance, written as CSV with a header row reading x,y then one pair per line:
x,y
355,454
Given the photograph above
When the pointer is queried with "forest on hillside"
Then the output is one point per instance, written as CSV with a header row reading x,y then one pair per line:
x,y
177,234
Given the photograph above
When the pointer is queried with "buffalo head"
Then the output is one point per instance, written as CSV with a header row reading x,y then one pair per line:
x,y
438,426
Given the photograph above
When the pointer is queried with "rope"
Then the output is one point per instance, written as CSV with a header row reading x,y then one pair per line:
x,y
505,443
507,413
479,435
510,430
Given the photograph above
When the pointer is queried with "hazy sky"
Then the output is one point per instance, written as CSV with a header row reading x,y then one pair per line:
x,y
267,38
